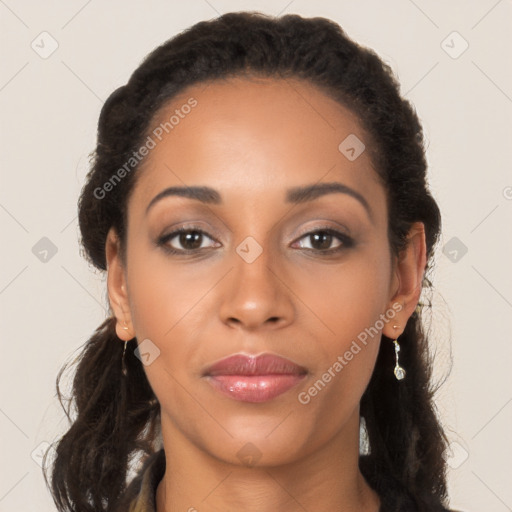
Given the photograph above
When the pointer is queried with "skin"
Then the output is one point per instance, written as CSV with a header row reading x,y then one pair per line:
x,y
252,140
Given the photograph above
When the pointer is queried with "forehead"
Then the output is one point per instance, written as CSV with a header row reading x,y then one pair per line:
x,y
253,137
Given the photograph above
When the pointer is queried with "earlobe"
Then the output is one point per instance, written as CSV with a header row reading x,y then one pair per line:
x,y
409,272
116,285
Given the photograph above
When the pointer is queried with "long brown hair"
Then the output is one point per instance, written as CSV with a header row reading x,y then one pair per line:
x,y
117,419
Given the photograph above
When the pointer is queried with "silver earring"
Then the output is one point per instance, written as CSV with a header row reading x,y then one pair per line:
x,y
364,440
398,371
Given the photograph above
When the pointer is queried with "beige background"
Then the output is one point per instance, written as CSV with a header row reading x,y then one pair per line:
x,y
49,110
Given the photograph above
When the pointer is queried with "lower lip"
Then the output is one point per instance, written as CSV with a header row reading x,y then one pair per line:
x,y
254,388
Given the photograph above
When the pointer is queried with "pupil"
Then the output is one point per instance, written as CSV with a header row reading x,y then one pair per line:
x,y
326,238
187,239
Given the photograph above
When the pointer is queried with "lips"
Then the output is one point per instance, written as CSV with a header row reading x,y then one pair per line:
x,y
254,379
264,364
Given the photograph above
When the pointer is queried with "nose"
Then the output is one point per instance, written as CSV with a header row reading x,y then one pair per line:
x,y
257,295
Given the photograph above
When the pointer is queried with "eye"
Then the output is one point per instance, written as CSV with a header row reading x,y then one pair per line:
x,y
185,240
189,240
321,240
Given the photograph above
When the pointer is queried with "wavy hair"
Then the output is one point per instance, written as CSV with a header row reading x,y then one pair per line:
x,y
117,419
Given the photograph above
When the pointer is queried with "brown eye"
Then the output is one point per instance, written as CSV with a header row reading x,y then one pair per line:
x,y
191,240
185,240
322,240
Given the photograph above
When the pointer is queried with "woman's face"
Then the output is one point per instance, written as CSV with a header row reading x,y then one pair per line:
x,y
263,269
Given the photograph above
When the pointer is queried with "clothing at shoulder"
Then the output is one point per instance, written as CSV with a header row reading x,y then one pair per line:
x,y
141,493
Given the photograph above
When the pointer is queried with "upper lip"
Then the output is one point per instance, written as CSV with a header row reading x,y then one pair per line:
x,y
263,364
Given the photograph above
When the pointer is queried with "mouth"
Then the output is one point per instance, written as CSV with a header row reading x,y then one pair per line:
x,y
254,379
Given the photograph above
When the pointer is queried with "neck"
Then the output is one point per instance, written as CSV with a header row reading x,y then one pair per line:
x,y
327,479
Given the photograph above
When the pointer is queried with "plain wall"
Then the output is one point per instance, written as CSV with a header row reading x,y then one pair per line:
x,y
49,111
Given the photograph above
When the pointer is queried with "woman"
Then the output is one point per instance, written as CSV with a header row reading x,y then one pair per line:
x,y
258,200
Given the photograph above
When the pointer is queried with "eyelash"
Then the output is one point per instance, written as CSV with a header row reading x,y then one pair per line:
x,y
346,241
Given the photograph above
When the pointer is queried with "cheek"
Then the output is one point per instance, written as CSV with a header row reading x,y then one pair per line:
x,y
347,298
347,330
167,303
163,294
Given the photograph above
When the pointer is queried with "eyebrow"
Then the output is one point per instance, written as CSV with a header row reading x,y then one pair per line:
x,y
294,195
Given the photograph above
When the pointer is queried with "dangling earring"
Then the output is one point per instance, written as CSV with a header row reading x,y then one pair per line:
x,y
123,364
364,440
398,371
124,371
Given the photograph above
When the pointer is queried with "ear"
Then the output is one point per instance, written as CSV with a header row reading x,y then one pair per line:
x,y
117,288
407,280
